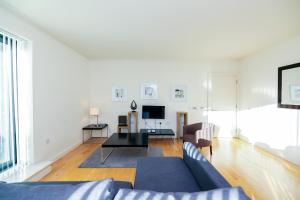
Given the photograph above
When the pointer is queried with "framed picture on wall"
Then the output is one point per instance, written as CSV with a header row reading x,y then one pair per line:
x,y
149,91
119,93
179,93
295,93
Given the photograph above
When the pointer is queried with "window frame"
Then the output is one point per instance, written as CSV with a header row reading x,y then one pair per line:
x,y
13,160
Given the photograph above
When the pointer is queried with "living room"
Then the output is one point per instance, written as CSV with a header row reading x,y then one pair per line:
x,y
230,64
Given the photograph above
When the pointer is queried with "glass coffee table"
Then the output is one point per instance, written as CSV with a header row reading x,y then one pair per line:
x,y
119,140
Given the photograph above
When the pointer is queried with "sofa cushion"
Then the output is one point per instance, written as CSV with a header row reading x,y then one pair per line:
x,y
122,184
218,194
207,176
89,190
116,184
164,174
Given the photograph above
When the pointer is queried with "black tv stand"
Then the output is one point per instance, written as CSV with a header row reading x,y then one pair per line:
x,y
165,132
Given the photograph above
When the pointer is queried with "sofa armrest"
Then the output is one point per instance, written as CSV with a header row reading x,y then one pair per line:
x,y
205,173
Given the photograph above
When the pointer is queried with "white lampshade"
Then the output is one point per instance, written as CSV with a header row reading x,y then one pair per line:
x,y
94,111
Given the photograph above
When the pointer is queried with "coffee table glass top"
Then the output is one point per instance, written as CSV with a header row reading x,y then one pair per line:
x,y
127,140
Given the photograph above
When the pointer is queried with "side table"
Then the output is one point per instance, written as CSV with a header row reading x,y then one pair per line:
x,y
92,127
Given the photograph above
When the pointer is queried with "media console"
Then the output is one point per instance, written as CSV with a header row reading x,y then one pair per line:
x,y
158,132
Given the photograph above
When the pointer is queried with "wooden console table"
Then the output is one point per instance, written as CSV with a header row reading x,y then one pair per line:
x,y
135,115
158,132
180,124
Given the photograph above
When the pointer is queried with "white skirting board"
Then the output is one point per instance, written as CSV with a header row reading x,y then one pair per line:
x,y
36,172
39,175
65,151
32,172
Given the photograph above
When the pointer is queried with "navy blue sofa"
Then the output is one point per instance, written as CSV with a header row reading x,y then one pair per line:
x,y
190,174
193,173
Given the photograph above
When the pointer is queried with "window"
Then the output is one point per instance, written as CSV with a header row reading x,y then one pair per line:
x,y
8,102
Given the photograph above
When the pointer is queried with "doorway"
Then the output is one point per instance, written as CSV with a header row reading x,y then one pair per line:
x,y
222,104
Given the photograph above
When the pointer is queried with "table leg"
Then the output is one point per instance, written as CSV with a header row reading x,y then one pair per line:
x,y
107,131
103,159
82,136
174,140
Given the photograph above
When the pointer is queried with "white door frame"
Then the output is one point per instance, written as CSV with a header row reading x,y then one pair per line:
x,y
209,96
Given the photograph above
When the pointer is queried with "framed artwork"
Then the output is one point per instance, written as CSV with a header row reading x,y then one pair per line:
x,y
295,93
289,86
149,91
119,93
179,93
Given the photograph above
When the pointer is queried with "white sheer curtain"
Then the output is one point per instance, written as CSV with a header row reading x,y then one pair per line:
x,y
14,151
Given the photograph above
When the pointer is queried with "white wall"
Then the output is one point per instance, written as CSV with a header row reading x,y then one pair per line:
x,y
60,90
62,85
260,121
131,73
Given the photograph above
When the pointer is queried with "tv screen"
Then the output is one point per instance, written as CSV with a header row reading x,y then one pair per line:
x,y
153,112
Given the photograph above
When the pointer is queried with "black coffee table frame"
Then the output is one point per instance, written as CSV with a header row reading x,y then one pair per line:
x,y
118,140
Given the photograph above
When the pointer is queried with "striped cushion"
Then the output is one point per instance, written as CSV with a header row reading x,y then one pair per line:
x,y
218,194
96,190
206,132
192,151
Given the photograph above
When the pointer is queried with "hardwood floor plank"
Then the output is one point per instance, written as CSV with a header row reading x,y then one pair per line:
x,y
262,175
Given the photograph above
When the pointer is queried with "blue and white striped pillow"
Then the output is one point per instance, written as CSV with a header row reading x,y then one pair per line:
x,y
217,194
192,151
94,190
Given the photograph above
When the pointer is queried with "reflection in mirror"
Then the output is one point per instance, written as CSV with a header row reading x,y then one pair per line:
x,y
289,86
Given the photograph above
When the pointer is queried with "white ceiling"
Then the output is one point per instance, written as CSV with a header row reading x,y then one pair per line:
x,y
164,29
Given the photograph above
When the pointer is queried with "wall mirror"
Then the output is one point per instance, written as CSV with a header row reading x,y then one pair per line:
x,y
289,86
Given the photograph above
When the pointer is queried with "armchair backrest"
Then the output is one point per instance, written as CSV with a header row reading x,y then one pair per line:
x,y
206,132
122,120
192,128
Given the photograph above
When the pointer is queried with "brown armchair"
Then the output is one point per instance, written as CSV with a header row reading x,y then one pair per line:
x,y
199,134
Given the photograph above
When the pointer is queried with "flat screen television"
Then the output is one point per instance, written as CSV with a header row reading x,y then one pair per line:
x,y
153,112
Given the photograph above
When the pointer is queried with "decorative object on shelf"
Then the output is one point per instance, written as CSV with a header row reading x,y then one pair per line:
x,y
119,93
95,112
133,106
179,93
149,91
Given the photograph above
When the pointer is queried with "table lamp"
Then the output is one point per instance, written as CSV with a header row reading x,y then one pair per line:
x,y
95,112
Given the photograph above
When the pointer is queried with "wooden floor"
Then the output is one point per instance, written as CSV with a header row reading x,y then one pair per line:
x,y
262,175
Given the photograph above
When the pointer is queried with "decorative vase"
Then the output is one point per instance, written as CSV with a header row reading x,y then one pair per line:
x,y
133,106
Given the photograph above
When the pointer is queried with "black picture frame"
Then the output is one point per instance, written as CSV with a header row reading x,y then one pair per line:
x,y
279,99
